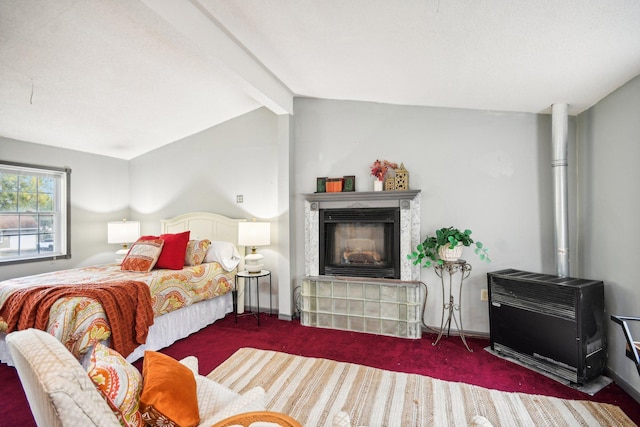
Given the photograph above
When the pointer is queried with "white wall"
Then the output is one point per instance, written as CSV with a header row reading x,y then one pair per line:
x,y
99,193
609,203
206,171
487,171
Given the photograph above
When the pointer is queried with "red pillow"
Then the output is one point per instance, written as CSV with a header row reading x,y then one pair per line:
x,y
173,251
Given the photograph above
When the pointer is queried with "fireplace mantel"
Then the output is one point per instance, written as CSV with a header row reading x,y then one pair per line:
x,y
354,196
408,201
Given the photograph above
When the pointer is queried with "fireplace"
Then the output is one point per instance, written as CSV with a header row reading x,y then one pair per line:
x,y
360,242
369,234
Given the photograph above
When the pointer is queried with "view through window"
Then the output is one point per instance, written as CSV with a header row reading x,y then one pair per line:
x,y
34,217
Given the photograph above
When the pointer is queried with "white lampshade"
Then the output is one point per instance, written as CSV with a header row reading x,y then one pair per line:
x,y
254,234
122,233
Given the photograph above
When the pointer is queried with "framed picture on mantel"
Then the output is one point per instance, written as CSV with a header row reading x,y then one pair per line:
x,y
321,185
349,183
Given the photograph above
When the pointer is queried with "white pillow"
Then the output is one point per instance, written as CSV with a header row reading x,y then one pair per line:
x,y
252,400
212,396
341,419
191,362
224,253
480,421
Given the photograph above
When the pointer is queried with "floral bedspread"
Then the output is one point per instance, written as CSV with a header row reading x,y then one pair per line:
x,y
80,322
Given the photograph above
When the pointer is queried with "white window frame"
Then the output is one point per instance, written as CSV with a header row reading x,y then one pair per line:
x,y
60,247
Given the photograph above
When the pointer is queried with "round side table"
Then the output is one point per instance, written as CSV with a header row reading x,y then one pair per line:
x,y
248,275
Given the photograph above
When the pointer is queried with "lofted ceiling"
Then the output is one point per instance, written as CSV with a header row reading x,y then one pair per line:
x,y
123,77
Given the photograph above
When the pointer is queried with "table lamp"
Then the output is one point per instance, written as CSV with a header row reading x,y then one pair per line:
x,y
122,233
254,234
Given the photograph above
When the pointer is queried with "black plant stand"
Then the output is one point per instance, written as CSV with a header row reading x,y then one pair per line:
x,y
450,307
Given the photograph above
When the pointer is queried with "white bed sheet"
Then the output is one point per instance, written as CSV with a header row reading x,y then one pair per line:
x,y
179,324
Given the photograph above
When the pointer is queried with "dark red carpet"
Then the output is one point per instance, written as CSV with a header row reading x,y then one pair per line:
x,y
449,360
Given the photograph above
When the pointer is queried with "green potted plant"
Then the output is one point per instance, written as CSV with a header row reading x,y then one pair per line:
x,y
446,245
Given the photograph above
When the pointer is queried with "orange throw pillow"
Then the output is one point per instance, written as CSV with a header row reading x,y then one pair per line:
x,y
142,256
169,396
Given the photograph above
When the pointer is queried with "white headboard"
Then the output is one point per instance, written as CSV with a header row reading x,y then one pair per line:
x,y
205,225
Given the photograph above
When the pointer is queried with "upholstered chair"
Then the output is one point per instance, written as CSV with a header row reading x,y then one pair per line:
x,y
61,392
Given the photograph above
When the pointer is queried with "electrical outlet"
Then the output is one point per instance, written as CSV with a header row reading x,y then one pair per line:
x,y
239,198
484,295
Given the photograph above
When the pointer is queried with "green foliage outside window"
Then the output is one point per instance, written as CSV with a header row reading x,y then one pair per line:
x,y
33,212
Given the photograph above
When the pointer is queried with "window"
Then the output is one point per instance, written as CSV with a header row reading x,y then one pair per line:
x,y
34,213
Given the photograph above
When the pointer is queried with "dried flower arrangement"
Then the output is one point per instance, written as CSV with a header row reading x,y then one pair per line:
x,y
379,168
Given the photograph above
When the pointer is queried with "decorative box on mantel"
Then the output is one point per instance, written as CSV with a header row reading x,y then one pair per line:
x,y
407,201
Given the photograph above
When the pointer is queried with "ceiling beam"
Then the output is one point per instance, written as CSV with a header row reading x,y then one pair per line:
x,y
194,21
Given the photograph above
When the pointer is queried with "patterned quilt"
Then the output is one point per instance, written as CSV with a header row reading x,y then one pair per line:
x,y
80,322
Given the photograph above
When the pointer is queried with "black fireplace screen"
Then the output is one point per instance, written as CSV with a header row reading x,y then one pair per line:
x,y
360,242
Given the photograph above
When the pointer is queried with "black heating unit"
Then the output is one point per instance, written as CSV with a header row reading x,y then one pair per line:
x,y
552,323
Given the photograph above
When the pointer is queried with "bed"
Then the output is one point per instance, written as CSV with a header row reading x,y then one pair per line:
x,y
182,301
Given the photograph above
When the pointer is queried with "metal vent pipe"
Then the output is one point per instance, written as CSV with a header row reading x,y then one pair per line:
x,y
559,136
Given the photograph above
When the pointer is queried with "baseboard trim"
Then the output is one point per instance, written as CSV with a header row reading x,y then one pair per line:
x,y
456,333
263,310
635,394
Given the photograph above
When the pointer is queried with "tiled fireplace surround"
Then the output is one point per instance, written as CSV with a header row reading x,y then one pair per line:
x,y
408,201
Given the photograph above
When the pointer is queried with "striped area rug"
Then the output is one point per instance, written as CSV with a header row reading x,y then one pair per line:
x,y
313,390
